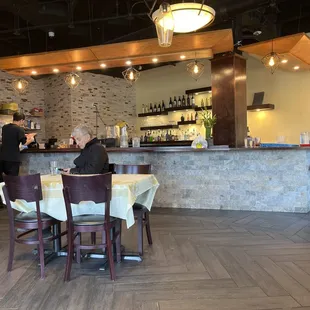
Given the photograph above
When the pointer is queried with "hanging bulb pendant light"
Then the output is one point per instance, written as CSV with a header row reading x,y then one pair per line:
x,y
195,69
73,80
164,23
20,85
272,60
131,75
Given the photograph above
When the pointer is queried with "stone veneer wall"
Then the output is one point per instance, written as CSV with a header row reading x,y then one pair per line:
x,y
257,180
66,108
33,97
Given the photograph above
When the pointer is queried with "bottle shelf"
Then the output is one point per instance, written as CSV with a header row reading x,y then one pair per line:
x,y
187,122
153,113
180,108
209,107
160,127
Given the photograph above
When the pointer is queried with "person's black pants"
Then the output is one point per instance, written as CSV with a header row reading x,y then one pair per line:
x,y
9,168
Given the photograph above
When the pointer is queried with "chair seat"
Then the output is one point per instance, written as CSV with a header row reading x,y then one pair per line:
x,y
139,207
31,217
90,220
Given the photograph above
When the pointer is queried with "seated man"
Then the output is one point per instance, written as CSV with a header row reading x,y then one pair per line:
x,y
93,158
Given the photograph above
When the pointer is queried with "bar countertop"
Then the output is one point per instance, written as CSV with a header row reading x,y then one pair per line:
x,y
176,149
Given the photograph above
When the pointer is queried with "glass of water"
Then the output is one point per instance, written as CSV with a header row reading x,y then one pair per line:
x,y
53,167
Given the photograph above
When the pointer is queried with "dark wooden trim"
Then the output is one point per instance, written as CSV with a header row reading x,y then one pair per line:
x,y
153,114
209,107
180,108
260,107
198,90
159,127
186,122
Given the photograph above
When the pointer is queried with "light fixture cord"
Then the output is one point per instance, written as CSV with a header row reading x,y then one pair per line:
x,y
202,4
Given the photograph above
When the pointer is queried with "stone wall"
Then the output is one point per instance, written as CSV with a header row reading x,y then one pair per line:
x,y
34,97
66,108
257,180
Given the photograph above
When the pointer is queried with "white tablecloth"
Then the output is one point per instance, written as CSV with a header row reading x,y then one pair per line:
x,y
127,189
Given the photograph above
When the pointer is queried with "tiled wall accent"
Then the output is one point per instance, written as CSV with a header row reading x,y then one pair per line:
x,y
58,107
258,180
34,97
66,108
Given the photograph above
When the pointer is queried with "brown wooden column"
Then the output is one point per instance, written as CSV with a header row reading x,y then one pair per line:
x,y
228,76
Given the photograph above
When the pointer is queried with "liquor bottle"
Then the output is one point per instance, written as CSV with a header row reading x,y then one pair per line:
x,y
196,116
179,102
193,101
187,117
188,101
182,118
183,101
192,117
202,103
146,109
175,103
151,108
155,109
145,138
170,103
143,110
159,108
163,108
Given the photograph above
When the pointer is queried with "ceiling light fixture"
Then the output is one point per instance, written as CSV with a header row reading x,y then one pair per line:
x,y
131,75
103,65
155,60
20,85
296,68
78,68
56,70
128,62
73,80
272,60
195,69
164,22
284,61
189,16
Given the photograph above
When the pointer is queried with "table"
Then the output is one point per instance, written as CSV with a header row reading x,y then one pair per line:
x,y
126,190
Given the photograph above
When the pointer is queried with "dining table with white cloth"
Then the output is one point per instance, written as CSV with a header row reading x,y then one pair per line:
x,y
127,189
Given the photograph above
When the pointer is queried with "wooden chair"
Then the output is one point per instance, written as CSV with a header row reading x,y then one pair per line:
x,y
141,213
29,189
96,188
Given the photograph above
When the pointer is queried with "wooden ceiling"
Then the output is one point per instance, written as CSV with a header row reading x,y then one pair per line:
x,y
294,48
200,45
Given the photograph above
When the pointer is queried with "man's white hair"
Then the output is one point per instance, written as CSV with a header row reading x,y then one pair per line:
x,y
82,130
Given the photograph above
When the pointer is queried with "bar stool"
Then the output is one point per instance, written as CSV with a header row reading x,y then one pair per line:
x,y
29,189
96,188
141,213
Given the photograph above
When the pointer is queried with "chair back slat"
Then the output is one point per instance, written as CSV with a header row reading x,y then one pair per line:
x,y
96,188
27,187
132,169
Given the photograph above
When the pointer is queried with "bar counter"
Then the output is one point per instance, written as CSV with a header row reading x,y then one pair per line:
x,y
262,179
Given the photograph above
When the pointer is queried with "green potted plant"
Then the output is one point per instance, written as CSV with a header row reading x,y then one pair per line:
x,y
209,121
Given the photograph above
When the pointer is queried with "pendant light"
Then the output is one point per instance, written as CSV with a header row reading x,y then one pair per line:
x,y
164,23
195,69
73,80
272,60
131,75
190,16
20,85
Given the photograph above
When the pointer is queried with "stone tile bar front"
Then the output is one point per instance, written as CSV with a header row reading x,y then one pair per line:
x,y
232,179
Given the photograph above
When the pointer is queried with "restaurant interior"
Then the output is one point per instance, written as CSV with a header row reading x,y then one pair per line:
x,y
202,107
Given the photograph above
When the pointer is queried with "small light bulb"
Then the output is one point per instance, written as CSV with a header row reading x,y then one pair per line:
x,y
73,81
19,85
284,61
271,62
55,70
155,60
131,76
103,65
296,68
128,62
78,68
196,69
182,56
33,72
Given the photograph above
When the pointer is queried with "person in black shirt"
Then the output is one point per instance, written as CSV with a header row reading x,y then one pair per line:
x,y
12,135
93,158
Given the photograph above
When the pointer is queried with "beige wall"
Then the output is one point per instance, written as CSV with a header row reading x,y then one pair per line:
x,y
288,91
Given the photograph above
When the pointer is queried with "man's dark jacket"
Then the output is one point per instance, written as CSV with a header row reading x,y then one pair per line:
x,y
92,160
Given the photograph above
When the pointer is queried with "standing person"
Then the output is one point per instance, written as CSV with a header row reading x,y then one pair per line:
x,y
12,135
93,158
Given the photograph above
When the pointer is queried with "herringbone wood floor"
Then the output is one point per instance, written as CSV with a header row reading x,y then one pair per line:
x,y
199,260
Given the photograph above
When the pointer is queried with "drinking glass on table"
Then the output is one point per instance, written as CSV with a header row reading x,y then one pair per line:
x,y
53,167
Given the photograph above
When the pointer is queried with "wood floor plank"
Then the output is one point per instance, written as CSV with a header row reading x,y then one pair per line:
x,y
235,304
211,263
171,250
122,301
296,227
